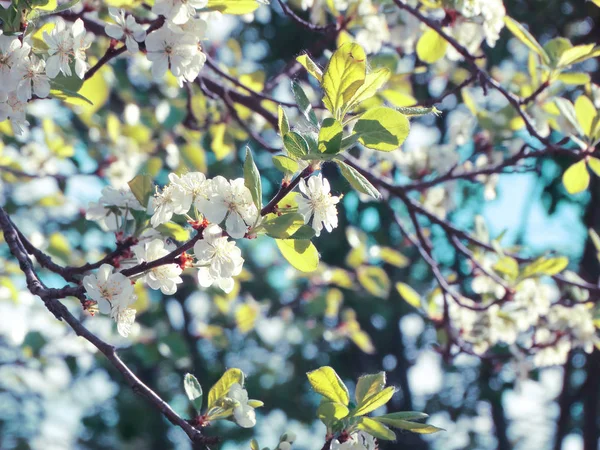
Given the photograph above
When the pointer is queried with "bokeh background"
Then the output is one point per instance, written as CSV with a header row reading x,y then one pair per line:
x,y
57,393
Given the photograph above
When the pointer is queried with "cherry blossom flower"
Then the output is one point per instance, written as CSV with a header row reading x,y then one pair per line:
x,y
81,42
12,53
318,204
60,50
34,79
125,27
221,258
178,11
243,413
164,277
230,201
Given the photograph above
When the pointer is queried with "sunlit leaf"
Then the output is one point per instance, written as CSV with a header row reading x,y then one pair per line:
x,y
325,381
576,178
431,47
301,254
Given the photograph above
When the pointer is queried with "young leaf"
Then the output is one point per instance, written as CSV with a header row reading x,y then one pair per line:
x,y
403,415
142,188
576,178
325,381
586,114
375,401
357,180
414,427
525,37
304,104
373,82
310,66
193,391
382,128
594,165
254,445
375,280
329,412
545,266
285,164
304,233
330,136
237,7
369,385
508,266
301,254
284,226
579,53
295,144
376,429
252,179
344,75
431,47
221,387
282,121
567,110
409,294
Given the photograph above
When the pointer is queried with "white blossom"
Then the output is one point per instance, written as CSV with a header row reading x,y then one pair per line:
x,y
113,207
12,53
164,277
34,80
81,42
244,414
230,201
221,259
125,27
60,50
178,11
113,293
318,204
357,441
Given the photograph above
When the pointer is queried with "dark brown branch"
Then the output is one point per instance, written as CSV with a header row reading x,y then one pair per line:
x,y
284,190
303,23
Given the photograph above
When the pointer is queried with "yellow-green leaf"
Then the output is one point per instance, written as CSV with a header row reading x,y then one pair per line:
x,y
508,266
221,387
393,257
594,164
586,114
382,128
376,429
414,427
576,178
310,66
373,82
328,412
301,254
325,381
174,230
525,37
282,121
574,78
375,401
409,294
237,7
578,53
142,188
285,164
357,180
375,280
330,136
344,75
546,266
431,47
369,385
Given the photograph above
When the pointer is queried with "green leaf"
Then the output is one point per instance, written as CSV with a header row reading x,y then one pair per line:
x,y
431,47
282,121
222,387
414,427
329,412
173,230
369,385
393,257
594,165
586,114
567,111
237,7
376,429
284,226
375,280
252,179
344,75
373,82
304,233
304,104
545,266
255,403
403,415
555,48
576,54
382,128
576,178
193,391
357,180
412,111
525,37
330,136
310,66
409,295
574,78
254,445
142,188
295,144
325,381
285,164
507,266
375,401
301,254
